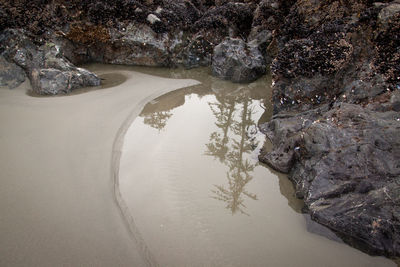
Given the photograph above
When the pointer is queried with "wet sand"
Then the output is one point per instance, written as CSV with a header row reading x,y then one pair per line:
x,y
57,201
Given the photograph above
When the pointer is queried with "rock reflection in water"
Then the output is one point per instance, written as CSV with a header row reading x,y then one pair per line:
x,y
234,118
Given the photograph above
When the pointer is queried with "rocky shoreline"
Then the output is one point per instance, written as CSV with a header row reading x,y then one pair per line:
x,y
336,122
336,83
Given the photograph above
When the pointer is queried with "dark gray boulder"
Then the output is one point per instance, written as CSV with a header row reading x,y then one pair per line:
x,y
237,61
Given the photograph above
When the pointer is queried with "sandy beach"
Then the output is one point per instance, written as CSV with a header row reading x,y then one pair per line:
x,y
57,200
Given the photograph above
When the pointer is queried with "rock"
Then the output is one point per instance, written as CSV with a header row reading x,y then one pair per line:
x,y
388,13
49,71
231,19
4,20
56,75
310,71
344,163
158,10
387,60
197,53
269,16
54,81
11,75
137,45
234,60
179,15
285,131
336,117
262,40
153,19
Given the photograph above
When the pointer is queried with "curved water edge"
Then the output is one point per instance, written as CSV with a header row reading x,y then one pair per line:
x,y
117,154
115,163
117,151
115,167
125,214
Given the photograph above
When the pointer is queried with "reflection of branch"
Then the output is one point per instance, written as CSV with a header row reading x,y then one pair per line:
x,y
233,195
230,150
157,120
218,145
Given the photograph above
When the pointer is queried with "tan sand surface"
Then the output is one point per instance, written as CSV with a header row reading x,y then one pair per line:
x,y
57,201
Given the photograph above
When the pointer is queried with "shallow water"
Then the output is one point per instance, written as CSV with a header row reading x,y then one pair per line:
x,y
192,184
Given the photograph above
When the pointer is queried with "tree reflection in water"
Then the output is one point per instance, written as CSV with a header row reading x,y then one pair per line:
x,y
230,144
157,120
233,141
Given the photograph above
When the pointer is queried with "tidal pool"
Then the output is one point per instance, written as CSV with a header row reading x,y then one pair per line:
x,y
195,194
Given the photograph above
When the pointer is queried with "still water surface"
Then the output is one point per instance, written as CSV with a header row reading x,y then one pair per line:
x,y
191,181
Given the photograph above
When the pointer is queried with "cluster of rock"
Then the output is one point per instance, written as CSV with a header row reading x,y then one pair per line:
x,y
48,70
336,123
166,33
336,83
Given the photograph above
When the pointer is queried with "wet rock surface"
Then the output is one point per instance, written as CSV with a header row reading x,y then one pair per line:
x,y
235,60
11,75
344,163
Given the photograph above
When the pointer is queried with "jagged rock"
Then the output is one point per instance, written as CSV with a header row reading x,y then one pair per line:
x,y
48,70
54,81
336,117
234,60
11,75
344,163
58,75
137,45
